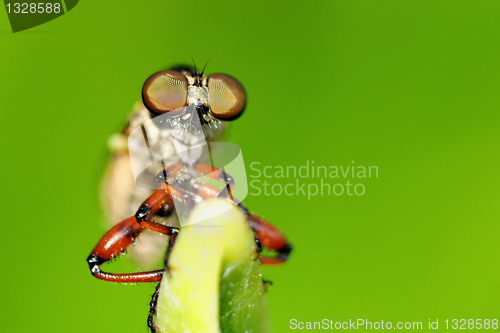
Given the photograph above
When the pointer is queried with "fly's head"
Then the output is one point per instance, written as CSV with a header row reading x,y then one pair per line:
x,y
184,94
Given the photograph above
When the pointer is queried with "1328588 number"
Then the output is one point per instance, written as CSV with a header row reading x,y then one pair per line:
x,y
32,8
471,324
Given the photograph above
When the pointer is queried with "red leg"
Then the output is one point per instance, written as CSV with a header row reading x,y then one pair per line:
x,y
111,244
116,240
149,207
156,201
270,238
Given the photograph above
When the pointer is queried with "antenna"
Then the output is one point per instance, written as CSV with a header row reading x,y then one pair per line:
x,y
209,61
194,64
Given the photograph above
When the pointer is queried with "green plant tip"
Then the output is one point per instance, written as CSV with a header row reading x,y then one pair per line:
x,y
214,283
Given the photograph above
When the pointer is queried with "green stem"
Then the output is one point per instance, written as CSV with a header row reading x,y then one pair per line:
x,y
214,283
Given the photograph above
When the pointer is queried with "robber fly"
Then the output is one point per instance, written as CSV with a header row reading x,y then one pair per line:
x,y
180,112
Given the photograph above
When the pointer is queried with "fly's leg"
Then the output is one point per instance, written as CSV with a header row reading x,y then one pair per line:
x,y
171,243
267,284
154,299
152,310
269,237
216,174
161,200
147,210
116,240
143,216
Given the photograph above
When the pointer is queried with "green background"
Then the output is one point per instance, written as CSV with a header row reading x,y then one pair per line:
x,y
409,86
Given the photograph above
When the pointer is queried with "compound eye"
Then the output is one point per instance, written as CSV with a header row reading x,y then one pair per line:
x,y
165,91
226,96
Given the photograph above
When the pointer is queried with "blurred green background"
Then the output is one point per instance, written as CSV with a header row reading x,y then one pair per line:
x,y
411,87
